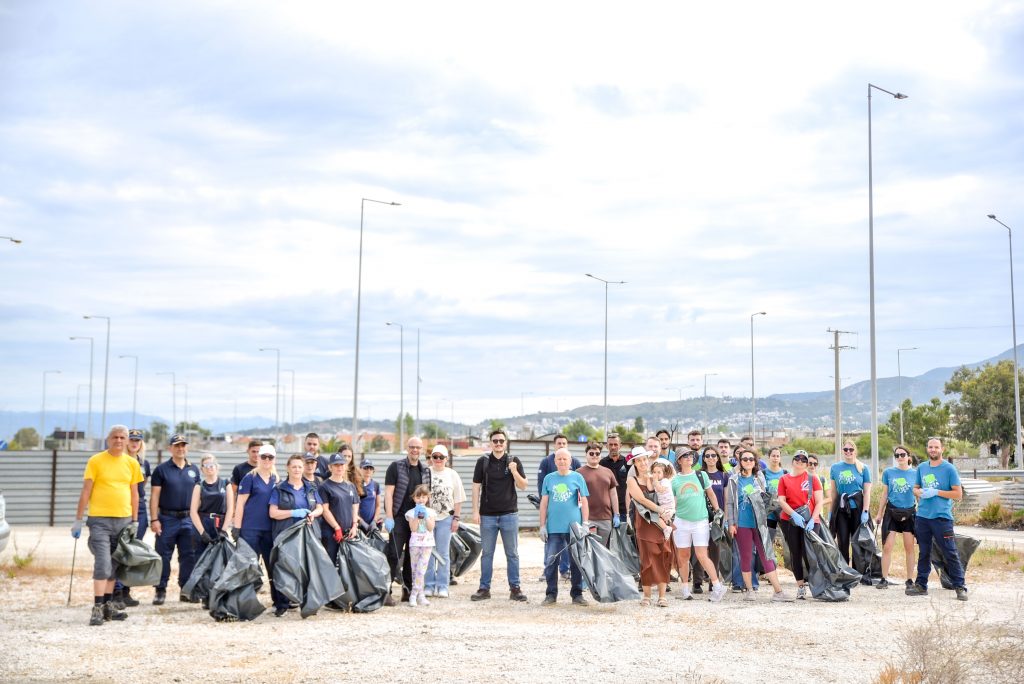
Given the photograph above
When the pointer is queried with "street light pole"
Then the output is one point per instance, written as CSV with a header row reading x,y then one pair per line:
x,y
1013,319
706,376
871,285
88,430
277,387
359,310
606,284
899,385
7,237
78,396
753,400
106,374
401,384
185,420
174,400
416,429
135,384
293,398
42,419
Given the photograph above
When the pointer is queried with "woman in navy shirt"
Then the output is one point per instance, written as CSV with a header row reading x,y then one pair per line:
x,y
212,508
252,512
341,506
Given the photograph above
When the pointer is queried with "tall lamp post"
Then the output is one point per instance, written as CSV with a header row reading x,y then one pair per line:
x,y
106,374
88,430
1013,319
753,400
359,310
42,419
8,237
401,384
899,385
871,284
185,420
293,397
277,386
174,400
706,376
78,397
606,284
416,427
135,384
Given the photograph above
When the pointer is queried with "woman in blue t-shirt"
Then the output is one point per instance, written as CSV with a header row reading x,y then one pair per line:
x,y
898,512
851,497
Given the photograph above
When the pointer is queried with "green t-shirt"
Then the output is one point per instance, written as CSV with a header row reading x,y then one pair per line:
x,y
689,495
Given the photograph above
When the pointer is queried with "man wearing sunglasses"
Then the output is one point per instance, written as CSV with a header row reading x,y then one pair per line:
x,y
496,478
603,497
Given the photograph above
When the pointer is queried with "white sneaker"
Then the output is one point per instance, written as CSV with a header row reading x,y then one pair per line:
x,y
717,592
412,600
441,593
685,595
423,600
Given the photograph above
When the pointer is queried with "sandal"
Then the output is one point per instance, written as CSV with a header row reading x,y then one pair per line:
x,y
645,602
663,602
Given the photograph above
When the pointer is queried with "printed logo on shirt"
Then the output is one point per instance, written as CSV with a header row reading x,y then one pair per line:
x,y
931,482
846,477
193,474
773,486
561,493
900,485
688,490
804,486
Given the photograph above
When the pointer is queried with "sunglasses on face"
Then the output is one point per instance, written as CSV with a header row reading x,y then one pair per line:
x,y
593,453
209,466
902,455
812,464
497,441
437,457
848,450
267,457
747,458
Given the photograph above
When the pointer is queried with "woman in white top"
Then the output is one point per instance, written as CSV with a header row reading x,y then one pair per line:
x,y
446,497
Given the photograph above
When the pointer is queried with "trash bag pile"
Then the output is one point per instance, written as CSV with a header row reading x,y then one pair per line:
x,y
365,576
622,544
138,564
965,548
605,576
303,572
233,594
207,569
867,559
828,575
464,549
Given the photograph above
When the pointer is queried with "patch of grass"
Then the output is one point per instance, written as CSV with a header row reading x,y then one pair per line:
x,y
996,558
19,562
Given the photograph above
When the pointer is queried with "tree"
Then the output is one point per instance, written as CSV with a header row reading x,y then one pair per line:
x,y
158,432
638,424
919,423
496,425
579,427
379,443
25,438
812,445
886,441
628,435
410,424
985,409
432,431
193,428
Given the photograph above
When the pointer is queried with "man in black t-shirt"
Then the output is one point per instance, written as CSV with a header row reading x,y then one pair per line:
x,y
496,509
245,467
400,480
616,463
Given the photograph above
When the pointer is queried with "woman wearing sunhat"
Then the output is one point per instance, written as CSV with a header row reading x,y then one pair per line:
x,y
655,552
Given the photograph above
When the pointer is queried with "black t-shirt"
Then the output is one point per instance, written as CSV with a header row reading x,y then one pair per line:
x,y
213,497
240,471
339,497
415,480
621,471
498,488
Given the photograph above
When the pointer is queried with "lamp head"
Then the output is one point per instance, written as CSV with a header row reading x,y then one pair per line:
x,y
900,96
992,216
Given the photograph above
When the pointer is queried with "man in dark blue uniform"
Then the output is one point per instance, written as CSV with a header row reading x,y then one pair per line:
x,y
171,497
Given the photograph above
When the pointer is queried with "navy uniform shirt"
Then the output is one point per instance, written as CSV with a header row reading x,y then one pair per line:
x,y
176,485
339,497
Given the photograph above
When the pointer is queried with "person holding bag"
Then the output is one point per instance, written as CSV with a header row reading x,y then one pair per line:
x,y
654,549
898,512
211,510
797,490
695,506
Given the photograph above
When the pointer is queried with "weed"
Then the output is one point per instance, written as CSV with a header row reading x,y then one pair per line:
x,y
18,561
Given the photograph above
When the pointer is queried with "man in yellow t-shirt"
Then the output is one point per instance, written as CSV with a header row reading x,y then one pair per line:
x,y
109,490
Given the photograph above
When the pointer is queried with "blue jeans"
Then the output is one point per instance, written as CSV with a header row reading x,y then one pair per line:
x,y
508,526
941,530
262,541
176,533
437,573
558,544
737,577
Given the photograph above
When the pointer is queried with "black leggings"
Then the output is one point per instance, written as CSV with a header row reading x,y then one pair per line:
x,y
844,523
794,537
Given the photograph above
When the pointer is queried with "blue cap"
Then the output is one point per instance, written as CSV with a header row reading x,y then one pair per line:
x,y
177,438
367,463
135,434
336,459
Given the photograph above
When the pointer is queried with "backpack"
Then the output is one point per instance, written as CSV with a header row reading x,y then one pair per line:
x,y
705,482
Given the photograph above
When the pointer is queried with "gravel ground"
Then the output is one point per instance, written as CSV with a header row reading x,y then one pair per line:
x,y
455,639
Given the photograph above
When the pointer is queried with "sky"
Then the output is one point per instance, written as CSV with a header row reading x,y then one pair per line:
x,y
196,170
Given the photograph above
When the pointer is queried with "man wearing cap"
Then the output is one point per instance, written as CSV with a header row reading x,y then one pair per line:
x,y
616,463
109,490
546,467
173,482
252,453
602,497
563,502
400,480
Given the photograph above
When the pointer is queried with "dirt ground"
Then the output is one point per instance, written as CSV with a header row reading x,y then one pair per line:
x,y
455,639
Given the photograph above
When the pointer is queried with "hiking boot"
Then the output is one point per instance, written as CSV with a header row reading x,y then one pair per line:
x,y
801,593
112,613
916,590
116,602
908,583
126,598
884,584
580,601
961,593
697,589
389,601
782,597
159,597
481,595
549,600
96,618
516,594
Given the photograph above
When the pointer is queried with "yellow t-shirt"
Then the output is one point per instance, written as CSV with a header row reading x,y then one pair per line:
x,y
112,480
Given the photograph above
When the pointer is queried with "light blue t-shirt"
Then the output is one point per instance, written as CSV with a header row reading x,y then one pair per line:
x,y
941,477
563,492
846,478
772,480
747,485
901,486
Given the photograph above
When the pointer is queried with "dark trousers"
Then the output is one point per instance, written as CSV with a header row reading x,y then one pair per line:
x,y
794,537
262,541
940,530
844,523
176,533
400,540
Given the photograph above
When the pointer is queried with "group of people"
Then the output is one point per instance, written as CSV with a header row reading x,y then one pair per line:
x,y
669,498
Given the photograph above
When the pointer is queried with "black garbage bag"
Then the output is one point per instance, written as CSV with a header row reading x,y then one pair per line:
x,y
622,544
233,595
867,559
827,574
723,542
607,577
375,539
208,568
138,565
303,572
464,549
365,576
965,548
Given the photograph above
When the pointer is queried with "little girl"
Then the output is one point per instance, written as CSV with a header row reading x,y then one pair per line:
x,y
421,543
663,488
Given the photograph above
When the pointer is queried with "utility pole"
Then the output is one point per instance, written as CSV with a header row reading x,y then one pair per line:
x,y
836,347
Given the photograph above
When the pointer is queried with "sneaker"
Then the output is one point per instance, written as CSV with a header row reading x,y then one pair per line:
x,y
481,595
782,597
185,598
916,590
127,600
96,617
908,583
717,593
580,601
685,595
452,581
749,596
159,597
516,594
389,601
961,593
697,589
736,589
884,584
412,601
281,610
801,593
422,600
112,613
549,600
441,593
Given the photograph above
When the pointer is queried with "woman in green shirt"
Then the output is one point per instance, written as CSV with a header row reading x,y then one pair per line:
x,y
693,495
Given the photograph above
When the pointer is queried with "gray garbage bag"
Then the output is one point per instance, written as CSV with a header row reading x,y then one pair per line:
x,y
375,539
965,548
622,544
303,572
867,559
233,594
607,578
208,568
827,574
365,576
721,538
138,565
464,549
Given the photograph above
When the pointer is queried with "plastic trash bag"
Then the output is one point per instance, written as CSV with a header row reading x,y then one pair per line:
x,y
622,544
605,576
365,576
965,548
303,572
867,559
721,538
233,594
375,539
464,549
138,565
827,574
207,569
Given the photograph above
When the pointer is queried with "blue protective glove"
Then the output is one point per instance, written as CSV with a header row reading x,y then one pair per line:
x,y
76,529
420,511
798,520
300,512
929,493
616,522
863,517
389,524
